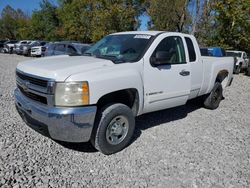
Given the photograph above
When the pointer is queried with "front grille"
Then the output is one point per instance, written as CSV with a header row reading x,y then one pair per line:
x,y
35,81
33,96
34,49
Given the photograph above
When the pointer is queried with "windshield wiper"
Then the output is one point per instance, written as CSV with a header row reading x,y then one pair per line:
x,y
87,54
112,58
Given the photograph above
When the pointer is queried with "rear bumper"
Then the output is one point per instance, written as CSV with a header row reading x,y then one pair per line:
x,y
64,124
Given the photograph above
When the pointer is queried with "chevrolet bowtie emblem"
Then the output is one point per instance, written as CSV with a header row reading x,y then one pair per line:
x,y
25,85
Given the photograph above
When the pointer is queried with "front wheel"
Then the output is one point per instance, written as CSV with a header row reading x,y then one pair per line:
x,y
114,129
212,101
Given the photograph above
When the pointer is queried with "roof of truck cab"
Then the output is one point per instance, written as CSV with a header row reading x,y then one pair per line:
x,y
152,33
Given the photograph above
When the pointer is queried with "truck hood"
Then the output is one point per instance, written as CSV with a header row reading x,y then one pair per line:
x,y
59,68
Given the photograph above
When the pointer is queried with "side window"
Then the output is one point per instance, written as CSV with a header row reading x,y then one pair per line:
x,y
36,44
191,50
84,48
173,48
51,47
60,47
71,50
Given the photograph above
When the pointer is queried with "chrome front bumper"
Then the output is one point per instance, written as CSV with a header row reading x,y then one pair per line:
x,y
64,124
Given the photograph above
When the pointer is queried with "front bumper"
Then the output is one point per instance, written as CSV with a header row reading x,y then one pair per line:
x,y
36,53
18,51
25,51
64,124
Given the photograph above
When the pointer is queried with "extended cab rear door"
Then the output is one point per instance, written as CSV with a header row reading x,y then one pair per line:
x,y
168,83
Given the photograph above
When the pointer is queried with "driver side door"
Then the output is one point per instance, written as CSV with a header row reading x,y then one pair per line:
x,y
166,83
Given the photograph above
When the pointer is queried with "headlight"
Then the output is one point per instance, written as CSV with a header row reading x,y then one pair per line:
x,y
72,94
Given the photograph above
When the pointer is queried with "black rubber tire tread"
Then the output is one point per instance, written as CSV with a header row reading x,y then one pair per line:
x,y
248,71
238,69
104,116
208,102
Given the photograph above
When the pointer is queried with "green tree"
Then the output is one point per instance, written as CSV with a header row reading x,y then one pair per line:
x,y
89,20
75,19
233,24
44,22
205,29
13,23
8,27
167,14
114,16
23,23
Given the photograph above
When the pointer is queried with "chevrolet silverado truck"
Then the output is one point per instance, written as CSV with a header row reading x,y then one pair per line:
x,y
96,97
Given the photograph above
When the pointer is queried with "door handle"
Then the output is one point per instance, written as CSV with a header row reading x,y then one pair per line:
x,y
184,73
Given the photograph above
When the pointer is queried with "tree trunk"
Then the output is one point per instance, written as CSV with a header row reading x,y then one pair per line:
x,y
196,18
183,16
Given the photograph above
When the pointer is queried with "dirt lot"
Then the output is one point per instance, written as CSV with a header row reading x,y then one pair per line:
x,y
187,146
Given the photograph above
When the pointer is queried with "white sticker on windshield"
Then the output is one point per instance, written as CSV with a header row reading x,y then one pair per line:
x,y
142,36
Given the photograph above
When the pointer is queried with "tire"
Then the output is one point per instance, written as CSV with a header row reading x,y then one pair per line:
x,y
11,51
238,69
248,71
212,101
114,128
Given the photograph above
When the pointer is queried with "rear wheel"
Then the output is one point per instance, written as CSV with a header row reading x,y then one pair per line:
x,y
114,128
238,69
213,100
248,71
29,53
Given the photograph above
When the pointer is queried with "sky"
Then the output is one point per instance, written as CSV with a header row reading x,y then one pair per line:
x,y
26,5
29,5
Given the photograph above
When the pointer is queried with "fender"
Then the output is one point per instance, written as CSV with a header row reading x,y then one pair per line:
x,y
110,79
218,69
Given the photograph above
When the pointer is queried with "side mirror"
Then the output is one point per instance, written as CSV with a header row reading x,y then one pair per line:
x,y
161,58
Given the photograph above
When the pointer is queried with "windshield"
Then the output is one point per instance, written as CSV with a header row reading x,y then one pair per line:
x,y
10,42
120,48
81,48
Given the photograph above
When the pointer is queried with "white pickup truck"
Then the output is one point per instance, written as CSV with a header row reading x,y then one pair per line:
x,y
242,60
96,97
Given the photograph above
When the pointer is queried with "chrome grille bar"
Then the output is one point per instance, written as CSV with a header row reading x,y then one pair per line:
x,y
36,88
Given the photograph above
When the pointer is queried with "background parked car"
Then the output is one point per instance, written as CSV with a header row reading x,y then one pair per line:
x,y
26,49
242,60
38,51
18,44
9,46
66,48
2,44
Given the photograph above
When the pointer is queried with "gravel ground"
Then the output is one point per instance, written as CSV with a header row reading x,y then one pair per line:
x,y
187,146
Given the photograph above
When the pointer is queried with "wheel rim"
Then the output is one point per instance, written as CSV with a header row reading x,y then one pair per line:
x,y
117,130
